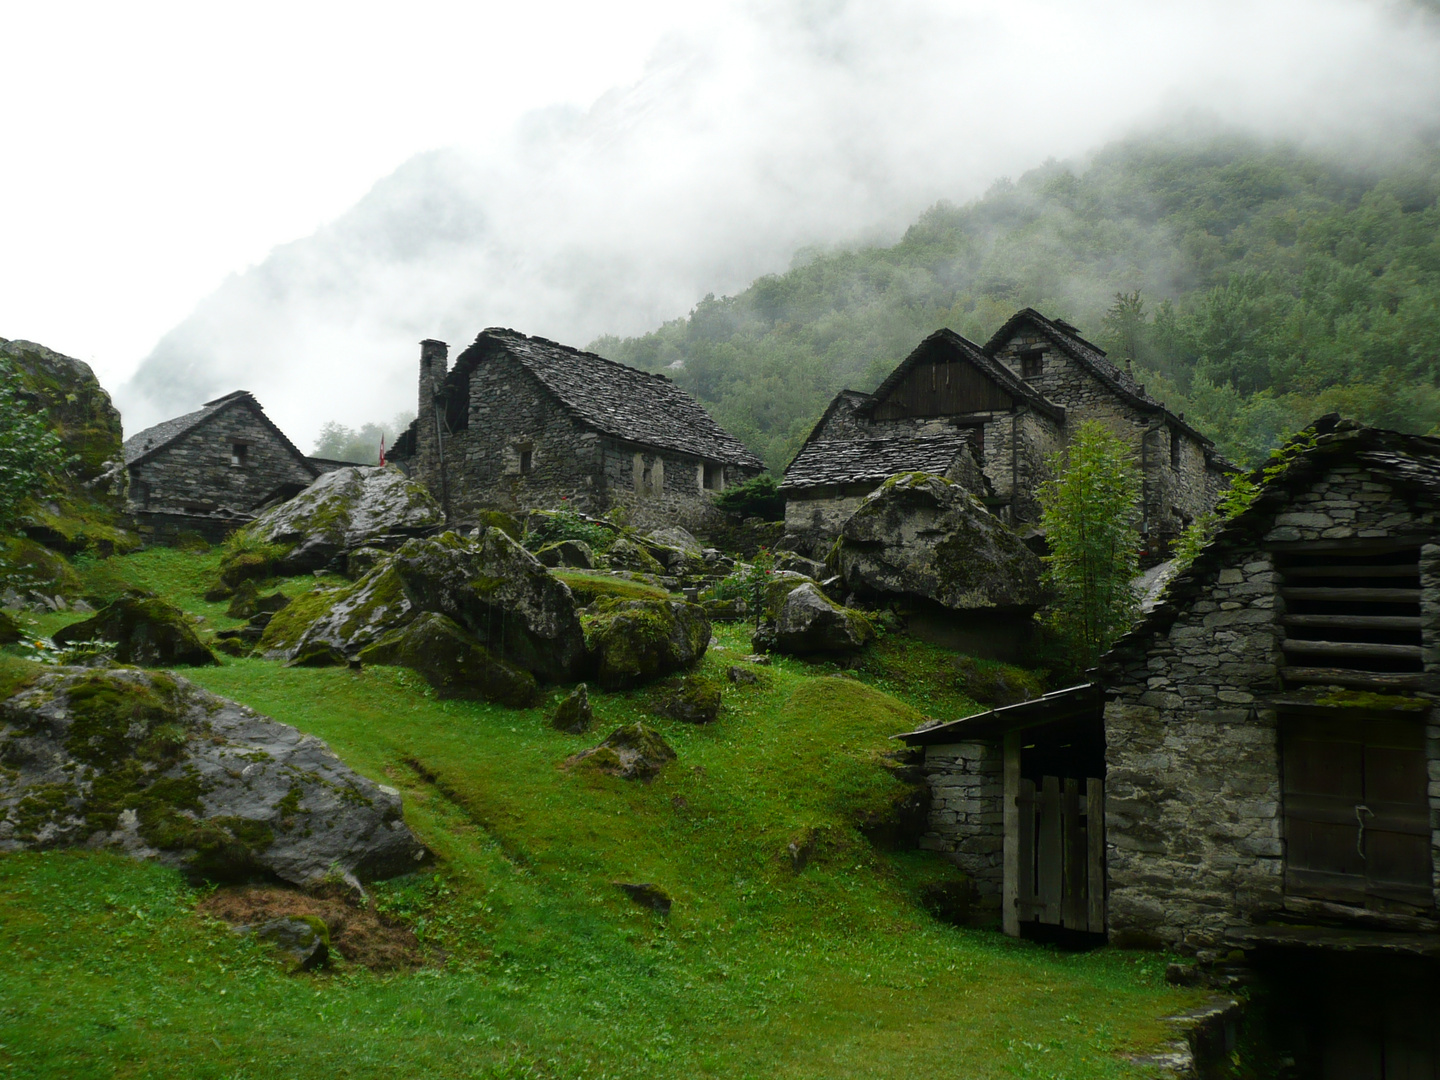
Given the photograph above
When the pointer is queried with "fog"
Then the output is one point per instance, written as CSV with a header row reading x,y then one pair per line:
x,y
767,130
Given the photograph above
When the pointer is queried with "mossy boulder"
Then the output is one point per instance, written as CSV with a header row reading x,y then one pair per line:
x,y
694,699
626,554
509,524
147,763
318,654
993,683
361,561
31,573
635,641
349,508
589,586
77,406
453,662
243,601
348,619
10,631
500,593
919,535
146,631
571,553
808,623
632,752
574,715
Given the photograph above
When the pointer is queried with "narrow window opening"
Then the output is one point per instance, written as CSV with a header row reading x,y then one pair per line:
x,y
238,455
526,461
1032,364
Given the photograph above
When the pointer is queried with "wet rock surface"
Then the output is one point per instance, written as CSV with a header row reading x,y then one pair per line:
x,y
920,535
634,641
346,510
632,752
453,662
808,623
152,765
574,715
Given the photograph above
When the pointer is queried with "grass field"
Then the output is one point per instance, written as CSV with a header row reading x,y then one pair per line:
x,y
538,965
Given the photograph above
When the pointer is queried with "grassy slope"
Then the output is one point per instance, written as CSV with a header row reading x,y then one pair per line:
x,y
544,968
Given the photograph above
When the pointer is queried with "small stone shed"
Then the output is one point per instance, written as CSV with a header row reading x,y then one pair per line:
x,y
524,423
1012,402
1257,762
208,471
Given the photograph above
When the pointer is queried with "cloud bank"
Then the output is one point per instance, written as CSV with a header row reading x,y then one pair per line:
x,y
783,126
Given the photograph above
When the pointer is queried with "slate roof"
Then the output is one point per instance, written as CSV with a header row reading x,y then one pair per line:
x,y
852,461
997,372
1410,461
1092,358
146,444
624,402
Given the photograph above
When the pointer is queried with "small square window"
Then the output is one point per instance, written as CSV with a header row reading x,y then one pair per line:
x,y
238,454
714,477
1032,364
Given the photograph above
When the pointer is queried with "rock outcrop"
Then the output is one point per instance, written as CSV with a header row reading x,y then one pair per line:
x,y
919,535
808,622
344,510
150,764
695,699
146,631
574,715
634,641
632,752
453,662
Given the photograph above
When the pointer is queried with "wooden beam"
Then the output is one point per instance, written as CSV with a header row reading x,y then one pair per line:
x,y
1367,680
1095,855
1404,570
1072,908
1356,622
1379,596
1353,649
1010,850
1050,850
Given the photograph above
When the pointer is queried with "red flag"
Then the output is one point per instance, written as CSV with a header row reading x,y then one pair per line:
x,y
382,449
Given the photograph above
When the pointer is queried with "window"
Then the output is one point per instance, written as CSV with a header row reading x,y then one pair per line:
x,y
714,477
1032,364
238,452
1174,450
526,461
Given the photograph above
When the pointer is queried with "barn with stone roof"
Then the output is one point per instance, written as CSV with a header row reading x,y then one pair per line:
x,y
953,405
522,423
208,471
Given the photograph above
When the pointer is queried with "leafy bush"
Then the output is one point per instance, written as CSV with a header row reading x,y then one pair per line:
x,y
568,525
747,582
32,455
757,497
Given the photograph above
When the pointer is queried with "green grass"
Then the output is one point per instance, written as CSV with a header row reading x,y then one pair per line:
x,y
588,586
542,968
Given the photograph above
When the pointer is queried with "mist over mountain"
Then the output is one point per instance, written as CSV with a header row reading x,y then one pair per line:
x,y
803,125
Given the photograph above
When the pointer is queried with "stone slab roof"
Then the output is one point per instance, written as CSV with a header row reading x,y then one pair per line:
x,y
1092,358
823,462
146,444
624,402
977,357
1409,461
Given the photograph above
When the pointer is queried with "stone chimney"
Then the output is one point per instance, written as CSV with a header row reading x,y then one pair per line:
x,y
434,361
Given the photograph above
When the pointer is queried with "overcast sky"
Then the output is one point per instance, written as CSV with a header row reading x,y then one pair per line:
x,y
285,197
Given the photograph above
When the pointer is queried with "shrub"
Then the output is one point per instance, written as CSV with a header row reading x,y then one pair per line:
x,y
757,497
32,455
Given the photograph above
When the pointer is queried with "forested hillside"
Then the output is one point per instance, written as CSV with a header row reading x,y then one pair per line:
x,y
1252,286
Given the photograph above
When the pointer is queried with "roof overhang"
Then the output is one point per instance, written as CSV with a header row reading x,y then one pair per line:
x,y
1073,703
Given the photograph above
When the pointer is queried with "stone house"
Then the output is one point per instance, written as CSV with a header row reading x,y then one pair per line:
x,y
208,471
1012,403
1256,766
523,423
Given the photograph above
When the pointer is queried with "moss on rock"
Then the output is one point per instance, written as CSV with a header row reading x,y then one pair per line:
x,y
634,641
453,662
632,752
695,699
626,554
146,631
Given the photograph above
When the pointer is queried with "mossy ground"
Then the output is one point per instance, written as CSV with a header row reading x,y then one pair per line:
x,y
539,965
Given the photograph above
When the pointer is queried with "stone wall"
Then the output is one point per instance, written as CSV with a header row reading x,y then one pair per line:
x,y
171,529
966,821
1193,797
198,472
1020,443
815,516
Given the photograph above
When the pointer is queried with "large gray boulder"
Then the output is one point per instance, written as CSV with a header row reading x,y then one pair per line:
x,y
491,586
808,622
453,662
919,535
635,641
150,764
144,630
346,510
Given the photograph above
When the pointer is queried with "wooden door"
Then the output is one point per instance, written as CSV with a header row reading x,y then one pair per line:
x,y
1061,853
1357,815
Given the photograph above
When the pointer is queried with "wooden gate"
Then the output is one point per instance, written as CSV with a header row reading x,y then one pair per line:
x,y
1060,872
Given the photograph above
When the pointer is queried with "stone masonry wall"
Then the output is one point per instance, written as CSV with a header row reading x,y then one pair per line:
x,y
195,473
1084,397
1193,793
814,517
966,820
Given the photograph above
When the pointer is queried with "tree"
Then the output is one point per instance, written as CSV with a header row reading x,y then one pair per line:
x,y
32,454
340,443
1125,325
1089,514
